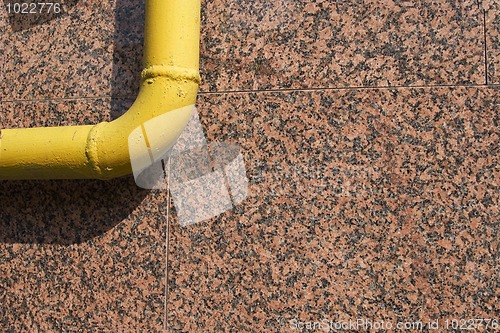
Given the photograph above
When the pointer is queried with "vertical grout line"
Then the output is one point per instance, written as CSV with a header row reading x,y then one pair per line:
x,y
166,291
485,48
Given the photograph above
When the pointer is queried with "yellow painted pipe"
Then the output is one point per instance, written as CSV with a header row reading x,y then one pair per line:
x,y
169,83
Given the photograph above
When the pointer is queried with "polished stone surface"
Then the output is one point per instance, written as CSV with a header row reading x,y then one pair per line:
x,y
492,18
81,256
378,203
68,56
3,27
255,45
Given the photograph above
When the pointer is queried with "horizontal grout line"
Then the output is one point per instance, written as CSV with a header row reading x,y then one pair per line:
x,y
349,88
61,99
249,91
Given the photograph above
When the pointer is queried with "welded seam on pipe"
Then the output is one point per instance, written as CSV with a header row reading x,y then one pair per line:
x,y
173,72
91,150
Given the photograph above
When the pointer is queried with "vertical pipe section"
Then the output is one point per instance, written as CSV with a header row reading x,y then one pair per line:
x,y
171,29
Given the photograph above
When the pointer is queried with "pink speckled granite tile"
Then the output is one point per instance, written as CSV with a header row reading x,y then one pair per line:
x,y
492,12
3,22
62,112
376,204
30,13
68,56
79,256
3,27
56,113
127,47
313,44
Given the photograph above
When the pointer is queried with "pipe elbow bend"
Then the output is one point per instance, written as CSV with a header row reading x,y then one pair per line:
x,y
160,113
168,90
150,127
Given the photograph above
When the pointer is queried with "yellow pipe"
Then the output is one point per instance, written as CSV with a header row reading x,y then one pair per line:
x,y
169,84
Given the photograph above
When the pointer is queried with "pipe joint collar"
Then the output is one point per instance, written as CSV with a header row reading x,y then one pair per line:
x,y
173,72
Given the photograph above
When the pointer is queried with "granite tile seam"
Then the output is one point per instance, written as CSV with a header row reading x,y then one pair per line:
x,y
166,290
69,99
132,98
491,11
3,21
485,41
476,86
